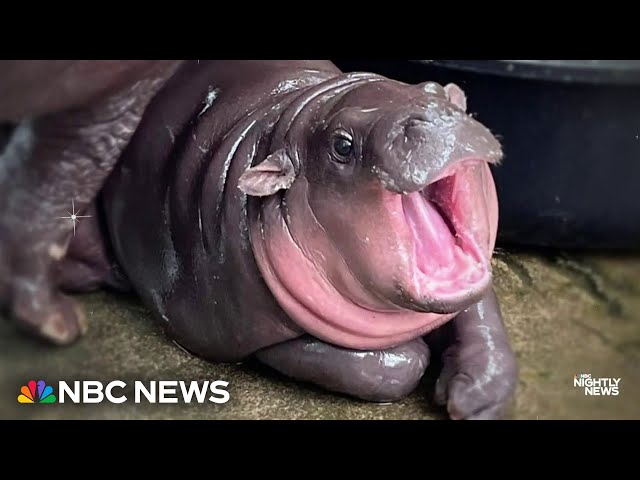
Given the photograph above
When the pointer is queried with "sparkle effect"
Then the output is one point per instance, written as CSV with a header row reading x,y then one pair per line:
x,y
73,216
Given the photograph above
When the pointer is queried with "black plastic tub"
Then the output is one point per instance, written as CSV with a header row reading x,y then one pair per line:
x,y
570,130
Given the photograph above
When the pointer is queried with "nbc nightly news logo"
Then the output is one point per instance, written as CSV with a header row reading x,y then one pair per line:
x,y
93,391
597,386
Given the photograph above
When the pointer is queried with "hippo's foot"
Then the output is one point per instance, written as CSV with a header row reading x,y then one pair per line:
x,y
479,373
377,376
48,313
49,166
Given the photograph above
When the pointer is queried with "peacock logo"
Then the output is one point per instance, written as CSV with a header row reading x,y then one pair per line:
x,y
28,393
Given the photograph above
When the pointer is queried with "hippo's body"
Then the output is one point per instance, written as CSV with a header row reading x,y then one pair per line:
x,y
326,223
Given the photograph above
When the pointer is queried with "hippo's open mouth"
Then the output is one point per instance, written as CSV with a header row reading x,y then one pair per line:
x,y
449,226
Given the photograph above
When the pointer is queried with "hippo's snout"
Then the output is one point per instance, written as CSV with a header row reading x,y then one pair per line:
x,y
412,149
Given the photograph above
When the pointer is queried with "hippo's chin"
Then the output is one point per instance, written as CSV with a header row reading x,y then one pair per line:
x,y
449,223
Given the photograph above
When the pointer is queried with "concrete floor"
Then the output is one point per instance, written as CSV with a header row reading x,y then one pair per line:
x,y
565,315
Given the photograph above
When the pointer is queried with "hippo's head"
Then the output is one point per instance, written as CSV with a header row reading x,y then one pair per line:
x,y
378,212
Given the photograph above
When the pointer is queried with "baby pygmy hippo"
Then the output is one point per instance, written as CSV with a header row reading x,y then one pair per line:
x,y
337,227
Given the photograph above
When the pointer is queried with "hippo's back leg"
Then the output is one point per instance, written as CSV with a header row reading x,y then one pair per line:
x,y
47,163
378,376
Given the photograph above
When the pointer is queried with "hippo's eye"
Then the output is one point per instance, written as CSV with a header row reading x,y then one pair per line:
x,y
343,146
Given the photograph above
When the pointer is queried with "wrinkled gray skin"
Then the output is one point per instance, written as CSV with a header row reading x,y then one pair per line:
x,y
200,130
72,121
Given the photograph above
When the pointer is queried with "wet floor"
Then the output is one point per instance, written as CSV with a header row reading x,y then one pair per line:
x,y
566,315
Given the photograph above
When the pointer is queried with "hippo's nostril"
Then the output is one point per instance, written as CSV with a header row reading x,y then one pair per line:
x,y
417,123
416,128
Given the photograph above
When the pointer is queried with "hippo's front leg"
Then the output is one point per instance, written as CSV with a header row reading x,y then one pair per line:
x,y
479,373
379,376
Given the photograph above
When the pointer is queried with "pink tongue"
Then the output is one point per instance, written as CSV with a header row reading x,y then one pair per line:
x,y
435,245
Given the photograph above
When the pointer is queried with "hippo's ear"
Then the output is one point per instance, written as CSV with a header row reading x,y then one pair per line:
x,y
456,96
275,173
